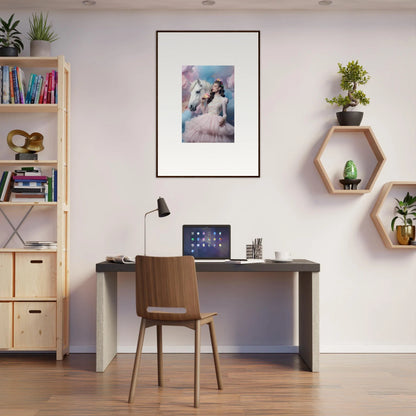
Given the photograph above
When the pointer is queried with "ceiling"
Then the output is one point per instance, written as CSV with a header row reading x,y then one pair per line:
x,y
232,5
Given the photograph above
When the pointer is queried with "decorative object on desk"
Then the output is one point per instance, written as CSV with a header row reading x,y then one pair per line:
x,y
41,35
258,248
10,42
352,75
407,213
33,144
186,116
350,180
162,210
249,251
121,259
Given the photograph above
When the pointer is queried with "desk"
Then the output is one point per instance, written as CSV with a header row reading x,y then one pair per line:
x,y
307,271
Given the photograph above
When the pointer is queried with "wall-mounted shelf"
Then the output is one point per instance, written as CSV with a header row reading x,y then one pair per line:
x,y
383,226
366,134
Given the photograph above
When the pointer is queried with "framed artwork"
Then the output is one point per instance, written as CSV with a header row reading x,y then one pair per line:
x,y
207,103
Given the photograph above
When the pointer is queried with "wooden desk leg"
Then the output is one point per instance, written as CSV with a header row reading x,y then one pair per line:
x,y
309,319
106,330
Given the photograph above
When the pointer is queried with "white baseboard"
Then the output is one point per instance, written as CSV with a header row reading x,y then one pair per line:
x,y
258,349
242,349
82,349
368,349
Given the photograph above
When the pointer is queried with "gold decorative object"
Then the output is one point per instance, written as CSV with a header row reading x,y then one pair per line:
x,y
33,142
405,233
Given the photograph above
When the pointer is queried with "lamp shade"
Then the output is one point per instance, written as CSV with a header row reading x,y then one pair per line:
x,y
162,208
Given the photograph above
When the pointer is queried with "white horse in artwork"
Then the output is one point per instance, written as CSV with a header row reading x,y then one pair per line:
x,y
198,88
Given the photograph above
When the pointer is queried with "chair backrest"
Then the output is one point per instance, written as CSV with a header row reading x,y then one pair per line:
x,y
167,282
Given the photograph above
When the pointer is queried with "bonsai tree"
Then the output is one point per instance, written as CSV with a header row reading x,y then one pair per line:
x,y
39,29
406,210
352,75
9,35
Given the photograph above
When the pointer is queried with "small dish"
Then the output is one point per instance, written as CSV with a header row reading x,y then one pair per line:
x,y
280,261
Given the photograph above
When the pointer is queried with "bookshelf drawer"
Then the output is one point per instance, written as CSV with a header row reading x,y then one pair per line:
x,y
6,325
6,275
35,325
35,275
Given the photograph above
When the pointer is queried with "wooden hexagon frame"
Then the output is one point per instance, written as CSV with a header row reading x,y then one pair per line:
x,y
375,147
375,214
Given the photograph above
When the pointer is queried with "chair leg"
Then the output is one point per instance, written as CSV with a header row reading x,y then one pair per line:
x,y
137,361
197,362
215,353
159,355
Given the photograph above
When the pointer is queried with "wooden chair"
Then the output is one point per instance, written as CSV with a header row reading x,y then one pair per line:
x,y
167,294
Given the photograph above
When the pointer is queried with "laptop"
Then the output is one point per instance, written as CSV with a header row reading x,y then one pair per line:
x,y
207,242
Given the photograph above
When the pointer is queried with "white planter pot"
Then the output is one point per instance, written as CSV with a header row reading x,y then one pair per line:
x,y
40,48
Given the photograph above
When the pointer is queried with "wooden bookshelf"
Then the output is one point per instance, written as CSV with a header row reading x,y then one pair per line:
x,y
34,284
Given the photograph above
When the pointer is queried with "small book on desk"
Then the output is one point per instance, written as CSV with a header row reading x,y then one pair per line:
x,y
120,259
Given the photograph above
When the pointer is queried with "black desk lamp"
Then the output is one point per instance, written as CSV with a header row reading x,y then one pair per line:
x,y
163,211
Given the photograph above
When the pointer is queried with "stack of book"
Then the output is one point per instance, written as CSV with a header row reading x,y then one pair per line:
x,y
41,89
40,245
6,182
28,184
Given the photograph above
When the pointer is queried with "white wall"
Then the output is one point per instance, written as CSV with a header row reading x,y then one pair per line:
x,y
366,291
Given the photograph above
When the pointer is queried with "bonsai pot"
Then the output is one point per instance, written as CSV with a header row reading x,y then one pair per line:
x,y
349,118
8,51
40,48
404,233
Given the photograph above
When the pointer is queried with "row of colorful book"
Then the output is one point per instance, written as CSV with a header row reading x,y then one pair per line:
x,y
27,184
41,89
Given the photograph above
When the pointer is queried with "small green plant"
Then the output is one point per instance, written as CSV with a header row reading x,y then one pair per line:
x,y
9,35
39,29
406,209
352,75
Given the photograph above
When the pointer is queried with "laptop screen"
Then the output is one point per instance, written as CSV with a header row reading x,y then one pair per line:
x,y
206,241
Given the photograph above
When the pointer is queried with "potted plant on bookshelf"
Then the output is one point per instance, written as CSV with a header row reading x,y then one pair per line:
x,y
406,210
352,75
41,35
10,42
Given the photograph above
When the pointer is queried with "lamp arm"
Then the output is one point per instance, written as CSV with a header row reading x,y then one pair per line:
x,y
145,215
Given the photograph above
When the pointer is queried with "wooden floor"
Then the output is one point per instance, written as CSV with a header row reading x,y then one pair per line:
x,y
254,384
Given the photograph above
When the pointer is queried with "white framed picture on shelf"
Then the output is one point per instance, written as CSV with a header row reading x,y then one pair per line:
x,y
207,103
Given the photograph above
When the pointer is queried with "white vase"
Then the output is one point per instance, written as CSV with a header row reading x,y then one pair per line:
x,y
40,48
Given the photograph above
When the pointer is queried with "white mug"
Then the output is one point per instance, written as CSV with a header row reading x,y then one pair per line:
x,y
282,256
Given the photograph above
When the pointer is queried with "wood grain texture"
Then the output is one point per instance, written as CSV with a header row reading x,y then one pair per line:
x,y
35,325
256,384
35,275
6,325
6,275
163,283
167,282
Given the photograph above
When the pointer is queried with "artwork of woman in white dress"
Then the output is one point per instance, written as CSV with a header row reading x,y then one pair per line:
x,y
208,107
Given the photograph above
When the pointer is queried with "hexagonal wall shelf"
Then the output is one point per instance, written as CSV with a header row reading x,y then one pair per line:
x,y
368,134
375,213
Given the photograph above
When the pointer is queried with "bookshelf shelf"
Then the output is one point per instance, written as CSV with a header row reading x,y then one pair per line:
x,y
52,163
30,279
28,108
